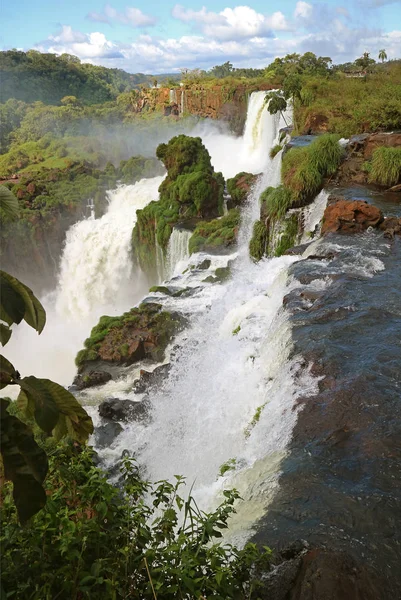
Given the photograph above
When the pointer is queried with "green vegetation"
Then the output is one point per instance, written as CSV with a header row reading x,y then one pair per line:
x,y
275,150
239,186
303,172
191,189
142,541
255,420
288,236
219,233
275,202
348,105
385,168
304,169
259,240
229,465
236,330
45,404
33,76
109,338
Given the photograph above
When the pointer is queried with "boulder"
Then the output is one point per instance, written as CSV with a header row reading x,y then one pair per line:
x,y
350,217
377,140
90,379
149,379
106,434
115,409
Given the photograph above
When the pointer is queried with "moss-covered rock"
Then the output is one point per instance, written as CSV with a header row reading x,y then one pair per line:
x,y
191,189
217,234
259,240
143,332
239,187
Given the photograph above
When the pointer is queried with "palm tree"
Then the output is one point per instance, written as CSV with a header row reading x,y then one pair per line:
x,y
382,55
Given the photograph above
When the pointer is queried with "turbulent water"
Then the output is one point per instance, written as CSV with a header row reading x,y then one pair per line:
x,y
232,385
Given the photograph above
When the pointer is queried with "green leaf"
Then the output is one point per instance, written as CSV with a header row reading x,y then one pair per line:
x,y
5,334
7,372
17,302
8,203
25,464
12,305
56,409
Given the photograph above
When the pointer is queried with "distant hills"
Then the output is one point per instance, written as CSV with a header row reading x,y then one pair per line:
x,y
33,76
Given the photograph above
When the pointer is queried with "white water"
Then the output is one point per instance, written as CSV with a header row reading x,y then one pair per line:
x,y
95,278
177,251
96,266
250,153
232,359
312,216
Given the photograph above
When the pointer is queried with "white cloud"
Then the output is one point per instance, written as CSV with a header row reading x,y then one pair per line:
x,y
239,34
240,22
303,10
131,16
86,46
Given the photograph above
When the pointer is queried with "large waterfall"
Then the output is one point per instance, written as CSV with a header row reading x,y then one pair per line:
x,y
231,388
96,265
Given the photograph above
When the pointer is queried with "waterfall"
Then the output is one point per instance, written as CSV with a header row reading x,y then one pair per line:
x,y
182,101
312,216
96,264
177,251
231,363
173,96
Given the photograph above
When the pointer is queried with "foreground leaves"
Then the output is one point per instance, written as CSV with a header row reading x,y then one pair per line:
x,y
24,462
54,408
17,302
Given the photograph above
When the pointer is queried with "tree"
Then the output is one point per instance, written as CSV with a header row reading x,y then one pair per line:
x,y
54,409
382,55
365,61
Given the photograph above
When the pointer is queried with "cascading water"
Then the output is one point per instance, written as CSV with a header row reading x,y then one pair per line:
x,y
96,264
231,364
95,279
177,250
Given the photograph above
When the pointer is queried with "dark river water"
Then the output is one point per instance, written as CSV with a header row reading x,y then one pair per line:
x,y
340,487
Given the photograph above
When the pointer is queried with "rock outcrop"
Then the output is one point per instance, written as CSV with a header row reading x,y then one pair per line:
x,y
350,217
141,333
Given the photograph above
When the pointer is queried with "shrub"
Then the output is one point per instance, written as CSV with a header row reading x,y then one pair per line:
x,y
275,201
212,234
303,169
258,242
386,166
95,541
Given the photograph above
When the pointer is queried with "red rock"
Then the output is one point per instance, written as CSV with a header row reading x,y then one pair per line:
x,y
376,140
350,217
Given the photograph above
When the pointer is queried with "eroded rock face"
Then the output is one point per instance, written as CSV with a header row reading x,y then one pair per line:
x,y
376,140
350,217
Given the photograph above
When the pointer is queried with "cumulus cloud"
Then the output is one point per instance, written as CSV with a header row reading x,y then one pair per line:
x,y
133,17
85,46
240,22
240,35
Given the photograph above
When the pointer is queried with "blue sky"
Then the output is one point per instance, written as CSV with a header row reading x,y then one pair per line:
x,y
156,37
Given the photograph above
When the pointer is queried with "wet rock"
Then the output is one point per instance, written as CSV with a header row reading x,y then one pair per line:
x,y
204,265
391,226
297,249
149,379
91,379
106,434
350,217
319,574
114,409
